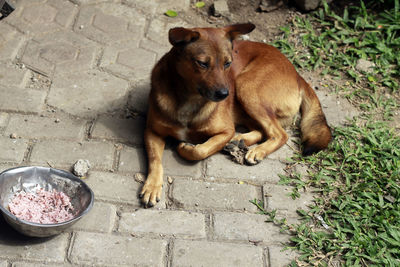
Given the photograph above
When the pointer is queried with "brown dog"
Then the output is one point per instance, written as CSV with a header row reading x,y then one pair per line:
x,y
208,83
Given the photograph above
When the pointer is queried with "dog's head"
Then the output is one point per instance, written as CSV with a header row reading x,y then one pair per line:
x,y
204,57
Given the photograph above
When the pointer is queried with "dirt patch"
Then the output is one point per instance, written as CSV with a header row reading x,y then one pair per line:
x,y
267,23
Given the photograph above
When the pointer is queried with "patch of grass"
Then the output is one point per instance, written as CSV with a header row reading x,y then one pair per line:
x,y
335,43
356,218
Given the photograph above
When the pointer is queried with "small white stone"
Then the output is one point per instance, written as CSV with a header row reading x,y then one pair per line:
x,y
81,167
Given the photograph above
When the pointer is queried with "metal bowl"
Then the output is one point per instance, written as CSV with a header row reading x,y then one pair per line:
x,y
29,179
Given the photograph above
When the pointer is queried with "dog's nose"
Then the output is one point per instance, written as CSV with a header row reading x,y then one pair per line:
x,y
221,94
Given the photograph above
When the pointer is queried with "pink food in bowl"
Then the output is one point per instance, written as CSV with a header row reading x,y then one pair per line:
x,y
44,207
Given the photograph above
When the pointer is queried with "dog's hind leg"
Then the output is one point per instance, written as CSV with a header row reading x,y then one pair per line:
x,y
276,137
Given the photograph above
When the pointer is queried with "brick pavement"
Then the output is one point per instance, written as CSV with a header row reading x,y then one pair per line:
x,y
73,84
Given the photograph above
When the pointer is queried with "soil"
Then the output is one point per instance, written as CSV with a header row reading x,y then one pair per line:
x,y
267,23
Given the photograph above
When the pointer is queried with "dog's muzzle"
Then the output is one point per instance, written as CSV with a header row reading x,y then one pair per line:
x,y
215,95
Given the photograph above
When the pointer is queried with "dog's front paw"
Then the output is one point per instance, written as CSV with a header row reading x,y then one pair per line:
x,y
190,151
150,194
255,156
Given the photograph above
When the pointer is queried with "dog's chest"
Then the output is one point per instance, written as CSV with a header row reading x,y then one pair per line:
x,y
187,113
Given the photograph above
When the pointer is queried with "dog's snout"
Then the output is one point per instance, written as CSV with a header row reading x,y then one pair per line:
x,y
221,94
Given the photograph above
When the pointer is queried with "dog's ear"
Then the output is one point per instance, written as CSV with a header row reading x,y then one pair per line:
x,y
180,36
235,30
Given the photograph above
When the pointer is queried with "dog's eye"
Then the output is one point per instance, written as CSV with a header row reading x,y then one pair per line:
x,y
227,64
202,64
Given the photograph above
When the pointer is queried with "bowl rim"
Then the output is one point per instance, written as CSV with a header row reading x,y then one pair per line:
x,y
69,176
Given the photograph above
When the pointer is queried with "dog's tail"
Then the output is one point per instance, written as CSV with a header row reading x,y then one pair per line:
x,y
315,131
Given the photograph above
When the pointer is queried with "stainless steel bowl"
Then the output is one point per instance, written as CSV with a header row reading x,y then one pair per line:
x,y
29,179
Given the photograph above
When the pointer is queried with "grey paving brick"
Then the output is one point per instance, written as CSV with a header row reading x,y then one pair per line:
x,y
10,42
166,222
220,165
100,219
159,49
282,153
109,23
278,197
246,227
159,27
12,150
126,130
21,99
159,7
49,250
27,126
116,188
4,117
63,51
203,253
31,264
89,248
14,76
88,93
128,61
134,160
64,153
216,196
40,17
336,109
138,96
279,257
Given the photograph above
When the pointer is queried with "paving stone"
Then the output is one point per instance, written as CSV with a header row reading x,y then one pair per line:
x,y
40,17
165,222
159,49
282,153
30,264
204,195
128,61
14,76
336,109
125,130
49,250
21,99
246,227
203,253
100,219
159,27
65,154
110,22
45,127
4,117
220,165
134,160
88,93
10,42
279,257
12,150
159,7
138,96
117,188
101,249
278,197
63,51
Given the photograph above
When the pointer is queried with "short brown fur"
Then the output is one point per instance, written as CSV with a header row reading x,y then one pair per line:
x,y
209,83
